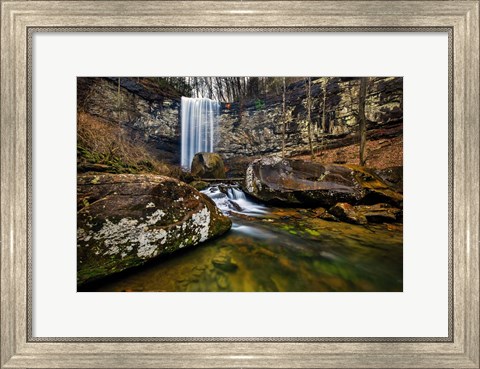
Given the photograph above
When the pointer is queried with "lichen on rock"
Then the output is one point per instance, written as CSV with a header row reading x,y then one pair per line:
x,y
133,218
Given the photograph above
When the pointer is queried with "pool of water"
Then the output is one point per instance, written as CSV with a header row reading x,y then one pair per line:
x,y
276,249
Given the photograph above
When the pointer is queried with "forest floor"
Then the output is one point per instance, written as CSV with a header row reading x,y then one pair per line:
x,y
383,153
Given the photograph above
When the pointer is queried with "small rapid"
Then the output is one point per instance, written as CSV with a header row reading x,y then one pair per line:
x,y
231,200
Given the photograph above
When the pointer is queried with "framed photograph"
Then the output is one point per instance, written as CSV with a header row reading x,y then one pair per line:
x,y
239,184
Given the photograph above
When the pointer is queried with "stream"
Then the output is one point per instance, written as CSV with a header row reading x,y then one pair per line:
x,y
275,249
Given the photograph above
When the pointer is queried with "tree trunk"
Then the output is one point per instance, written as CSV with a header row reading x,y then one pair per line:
x,y
284,117
323,126
325,83
229,94
309,117
362,119
118,100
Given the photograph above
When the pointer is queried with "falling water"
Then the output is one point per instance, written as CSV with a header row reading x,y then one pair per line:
x,y
199,121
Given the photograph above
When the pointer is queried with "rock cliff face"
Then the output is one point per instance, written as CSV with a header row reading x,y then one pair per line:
x,y
139,107
252,128
256,127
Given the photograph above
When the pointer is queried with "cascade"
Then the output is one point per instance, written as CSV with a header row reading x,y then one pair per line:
x,y
199,119
236,194
233,200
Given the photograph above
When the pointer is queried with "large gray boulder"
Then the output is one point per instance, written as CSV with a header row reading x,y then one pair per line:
x,y
124,220
299,182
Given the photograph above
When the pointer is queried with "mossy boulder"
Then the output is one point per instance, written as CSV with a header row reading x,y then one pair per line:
x,y
207,165
199,185
304,183
124,220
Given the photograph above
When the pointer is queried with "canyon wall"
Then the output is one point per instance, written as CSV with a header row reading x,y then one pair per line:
x,y
140,108
256,128
251,128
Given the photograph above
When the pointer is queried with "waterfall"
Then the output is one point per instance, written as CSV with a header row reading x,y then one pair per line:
x,y
199,122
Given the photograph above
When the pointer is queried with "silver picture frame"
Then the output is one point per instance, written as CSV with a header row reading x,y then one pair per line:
x,y
19,22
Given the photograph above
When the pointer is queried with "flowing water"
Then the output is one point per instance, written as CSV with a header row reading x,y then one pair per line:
x,y
276,249
199,117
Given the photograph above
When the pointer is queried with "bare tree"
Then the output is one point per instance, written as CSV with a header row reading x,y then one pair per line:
x,y
209,85
228,91
324,108
220,89
284,117
118,101
241,97
309,117
265,87
362,124
323,125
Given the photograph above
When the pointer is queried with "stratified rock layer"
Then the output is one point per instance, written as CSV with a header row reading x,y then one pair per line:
x,y
298,182
254,127
125,220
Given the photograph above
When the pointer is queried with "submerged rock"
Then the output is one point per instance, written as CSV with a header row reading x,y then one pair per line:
x,y
348,213
299,182
124,220
322,213
199,185
225,263
207,165
380,213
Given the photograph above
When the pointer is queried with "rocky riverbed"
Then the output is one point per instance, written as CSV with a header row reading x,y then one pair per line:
x,y
299,226
277,249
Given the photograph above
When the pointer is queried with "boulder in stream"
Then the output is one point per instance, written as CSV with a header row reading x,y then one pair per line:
x,y
199,185
208,165
124,220
304,183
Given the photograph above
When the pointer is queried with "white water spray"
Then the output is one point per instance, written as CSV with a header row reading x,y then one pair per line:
x,y
199,124
233,199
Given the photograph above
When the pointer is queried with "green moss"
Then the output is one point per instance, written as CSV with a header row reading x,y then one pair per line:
x,y
93,270
114,163
312,232
146,165
199,185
